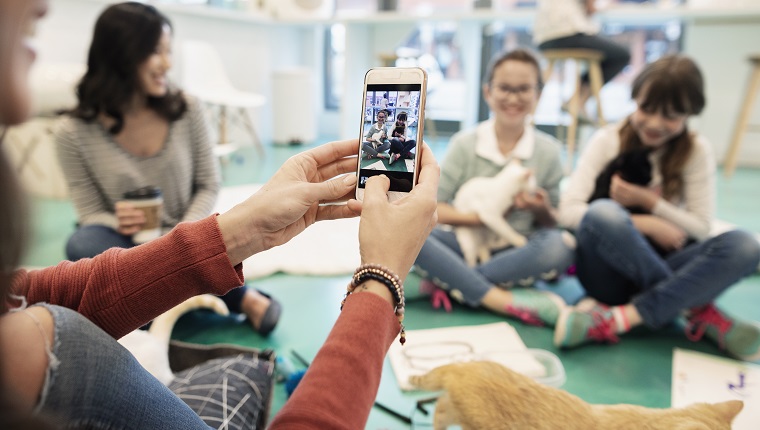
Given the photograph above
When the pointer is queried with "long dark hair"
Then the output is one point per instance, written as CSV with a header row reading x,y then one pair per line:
x,y
125,35
672,84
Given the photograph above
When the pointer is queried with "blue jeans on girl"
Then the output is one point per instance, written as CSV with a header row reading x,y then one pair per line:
x,y
546,256
617,265
402,147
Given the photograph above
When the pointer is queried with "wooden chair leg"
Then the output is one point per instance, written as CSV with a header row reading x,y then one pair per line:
x,y
596,82
547,76
572,129
729,163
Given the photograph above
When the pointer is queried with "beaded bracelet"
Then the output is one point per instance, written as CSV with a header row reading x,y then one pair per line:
x,y
389,279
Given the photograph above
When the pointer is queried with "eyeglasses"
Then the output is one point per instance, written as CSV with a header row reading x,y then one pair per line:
x,y
520,91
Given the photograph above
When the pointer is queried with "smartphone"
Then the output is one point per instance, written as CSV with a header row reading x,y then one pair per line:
x,y
392,120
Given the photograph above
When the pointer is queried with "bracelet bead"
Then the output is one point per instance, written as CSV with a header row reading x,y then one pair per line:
x,y
386,277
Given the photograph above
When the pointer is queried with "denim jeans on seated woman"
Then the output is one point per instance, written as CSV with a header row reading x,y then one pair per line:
x,y
96,383
91,240
617,265
546,255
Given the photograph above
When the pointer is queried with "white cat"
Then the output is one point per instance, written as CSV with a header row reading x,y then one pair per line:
x,y
490,198
151,347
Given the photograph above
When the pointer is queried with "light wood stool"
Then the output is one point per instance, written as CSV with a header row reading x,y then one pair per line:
x,y
593,60
742,124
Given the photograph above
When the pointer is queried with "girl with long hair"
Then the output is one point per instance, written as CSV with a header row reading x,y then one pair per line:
x,y
655,267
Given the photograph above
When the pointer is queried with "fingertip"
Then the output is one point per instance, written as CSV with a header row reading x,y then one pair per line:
x,y
349,180
354,205
378,179
375,187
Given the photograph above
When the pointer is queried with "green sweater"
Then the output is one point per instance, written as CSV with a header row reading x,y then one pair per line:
x,y
473,153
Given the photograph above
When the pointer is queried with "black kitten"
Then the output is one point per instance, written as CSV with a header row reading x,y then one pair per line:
x,y
632,166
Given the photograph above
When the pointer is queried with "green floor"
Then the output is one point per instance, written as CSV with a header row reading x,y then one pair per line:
x,y
637,370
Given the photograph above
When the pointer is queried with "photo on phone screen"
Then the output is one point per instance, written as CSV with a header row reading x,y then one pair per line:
x,y
391,132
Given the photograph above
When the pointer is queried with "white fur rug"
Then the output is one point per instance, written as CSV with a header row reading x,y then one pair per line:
x,y
325,248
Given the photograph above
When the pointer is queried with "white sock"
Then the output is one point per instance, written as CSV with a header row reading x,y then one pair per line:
x,y
621,321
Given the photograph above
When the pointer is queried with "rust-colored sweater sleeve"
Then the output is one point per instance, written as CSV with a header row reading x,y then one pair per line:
x,y
341,384
122,289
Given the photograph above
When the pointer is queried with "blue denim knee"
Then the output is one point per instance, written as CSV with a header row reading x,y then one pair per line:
x,y
91,240
96,383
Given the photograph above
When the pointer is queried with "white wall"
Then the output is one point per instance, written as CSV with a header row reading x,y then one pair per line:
x,y
721,49
65,34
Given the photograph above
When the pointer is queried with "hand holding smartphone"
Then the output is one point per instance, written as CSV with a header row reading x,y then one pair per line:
x,y
392,120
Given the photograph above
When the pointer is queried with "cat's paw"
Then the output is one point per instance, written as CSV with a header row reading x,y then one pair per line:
x,y
519,241
484,255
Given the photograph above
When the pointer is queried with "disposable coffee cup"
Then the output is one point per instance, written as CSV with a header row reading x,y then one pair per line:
x,y
151,202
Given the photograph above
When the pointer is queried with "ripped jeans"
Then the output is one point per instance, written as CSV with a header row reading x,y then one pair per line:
x,y
95,383
546,256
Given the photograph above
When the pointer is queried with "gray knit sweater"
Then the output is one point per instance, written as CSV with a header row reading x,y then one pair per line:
x,y
99,171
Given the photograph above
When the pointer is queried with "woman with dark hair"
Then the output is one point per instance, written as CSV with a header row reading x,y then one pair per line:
x,y
662,265
511,88
59,359
131,129
401,145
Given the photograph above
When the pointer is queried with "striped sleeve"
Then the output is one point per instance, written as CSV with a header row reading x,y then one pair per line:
x,y
206,178
90,206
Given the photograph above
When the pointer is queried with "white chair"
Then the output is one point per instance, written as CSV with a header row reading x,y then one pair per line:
x,y
204,76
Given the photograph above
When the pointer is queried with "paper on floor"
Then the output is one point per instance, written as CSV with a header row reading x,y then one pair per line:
x,y
700,378
427,349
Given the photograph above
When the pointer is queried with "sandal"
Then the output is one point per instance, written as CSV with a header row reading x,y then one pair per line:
x,y
271,316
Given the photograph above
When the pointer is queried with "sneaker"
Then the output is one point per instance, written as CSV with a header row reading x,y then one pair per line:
x,y
535,307
393,158
576,327
438,296
738,338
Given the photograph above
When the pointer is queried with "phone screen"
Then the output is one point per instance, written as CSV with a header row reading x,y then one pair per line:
x,y
391,134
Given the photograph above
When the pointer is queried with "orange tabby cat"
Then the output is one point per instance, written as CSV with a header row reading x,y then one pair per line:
x,y
484,395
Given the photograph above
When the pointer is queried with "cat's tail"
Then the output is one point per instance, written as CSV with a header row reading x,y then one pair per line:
x,y
162,326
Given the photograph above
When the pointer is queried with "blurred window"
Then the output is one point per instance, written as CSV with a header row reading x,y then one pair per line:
x,y
335,59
